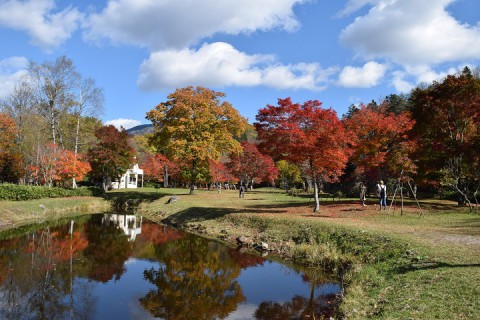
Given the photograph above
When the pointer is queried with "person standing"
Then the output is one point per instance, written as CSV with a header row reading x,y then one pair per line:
x,y
382,192
363,193
242,191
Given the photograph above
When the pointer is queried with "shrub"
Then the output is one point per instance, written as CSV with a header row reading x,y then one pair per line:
x,y
14,192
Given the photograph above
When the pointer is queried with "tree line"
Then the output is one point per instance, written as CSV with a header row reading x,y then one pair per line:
x,y
51,135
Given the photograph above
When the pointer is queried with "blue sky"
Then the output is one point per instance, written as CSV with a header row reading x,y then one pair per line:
x,y
255,51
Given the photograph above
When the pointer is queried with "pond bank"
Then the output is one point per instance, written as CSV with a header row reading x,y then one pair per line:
x,y
15,213
353,254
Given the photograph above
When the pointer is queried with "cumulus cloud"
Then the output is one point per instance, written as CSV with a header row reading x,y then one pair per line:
x,y
125,123
11,71
362,77
46,28
412,32
405,80
178,24
220,64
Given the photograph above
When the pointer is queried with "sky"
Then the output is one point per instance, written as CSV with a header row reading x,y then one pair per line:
x,y
255,51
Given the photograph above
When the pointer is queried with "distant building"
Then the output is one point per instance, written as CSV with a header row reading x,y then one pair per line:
x,y
129,180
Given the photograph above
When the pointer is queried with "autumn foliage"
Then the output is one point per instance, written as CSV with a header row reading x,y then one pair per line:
x,y
379,141
56,165
10,157
112,155
251,166
304,134
194,126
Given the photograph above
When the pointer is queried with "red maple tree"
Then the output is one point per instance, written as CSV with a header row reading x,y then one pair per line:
x,y
379,141
251,166
219,172
304,134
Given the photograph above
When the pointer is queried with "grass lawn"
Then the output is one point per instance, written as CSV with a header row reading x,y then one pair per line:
x,y
414,265
13,213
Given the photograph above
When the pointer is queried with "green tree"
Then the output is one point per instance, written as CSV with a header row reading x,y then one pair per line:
x,y
195,126
288,174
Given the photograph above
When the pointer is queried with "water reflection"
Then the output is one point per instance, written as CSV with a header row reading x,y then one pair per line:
x,y
130,224
122,267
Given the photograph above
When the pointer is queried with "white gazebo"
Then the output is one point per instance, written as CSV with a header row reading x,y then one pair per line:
x,y
129,179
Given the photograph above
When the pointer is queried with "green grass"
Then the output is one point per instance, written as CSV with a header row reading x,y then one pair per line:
x,y
13,213
412,266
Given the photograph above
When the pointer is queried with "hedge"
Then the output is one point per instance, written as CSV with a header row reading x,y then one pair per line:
x,y
15,192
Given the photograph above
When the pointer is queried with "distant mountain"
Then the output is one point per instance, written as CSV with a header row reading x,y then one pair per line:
x,y
141,129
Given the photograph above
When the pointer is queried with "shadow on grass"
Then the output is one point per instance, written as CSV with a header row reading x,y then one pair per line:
x,y
197,214
433,265
130,199
141,195
469,226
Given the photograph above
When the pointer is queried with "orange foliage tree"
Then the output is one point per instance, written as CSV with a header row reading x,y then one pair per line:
x,y
10,158
57,165
158,168
251,166
154,167
304,134
219,172
379,141
195,126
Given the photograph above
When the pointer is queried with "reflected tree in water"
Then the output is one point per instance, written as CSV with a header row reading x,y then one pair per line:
x,y
196,280
107,252
40,279
320,307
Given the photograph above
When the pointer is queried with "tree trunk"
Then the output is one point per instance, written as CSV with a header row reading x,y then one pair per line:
x,y
104,184
75,152
315,187
193,182
165,176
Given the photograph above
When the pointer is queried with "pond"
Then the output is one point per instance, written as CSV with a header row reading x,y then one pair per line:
x,y
116,266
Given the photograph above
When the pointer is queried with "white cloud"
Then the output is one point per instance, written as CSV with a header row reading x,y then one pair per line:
x,y
126,123
411,32
178,24
362,77
404,81
352,6
399,82
219,64
47,29
11,71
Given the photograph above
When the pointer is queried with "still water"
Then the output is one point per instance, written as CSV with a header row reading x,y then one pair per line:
x,y
115,266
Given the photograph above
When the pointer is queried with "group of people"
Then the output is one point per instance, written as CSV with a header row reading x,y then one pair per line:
x,y
381,193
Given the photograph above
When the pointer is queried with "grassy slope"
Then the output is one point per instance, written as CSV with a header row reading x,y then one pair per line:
x,y
13,213
426,265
